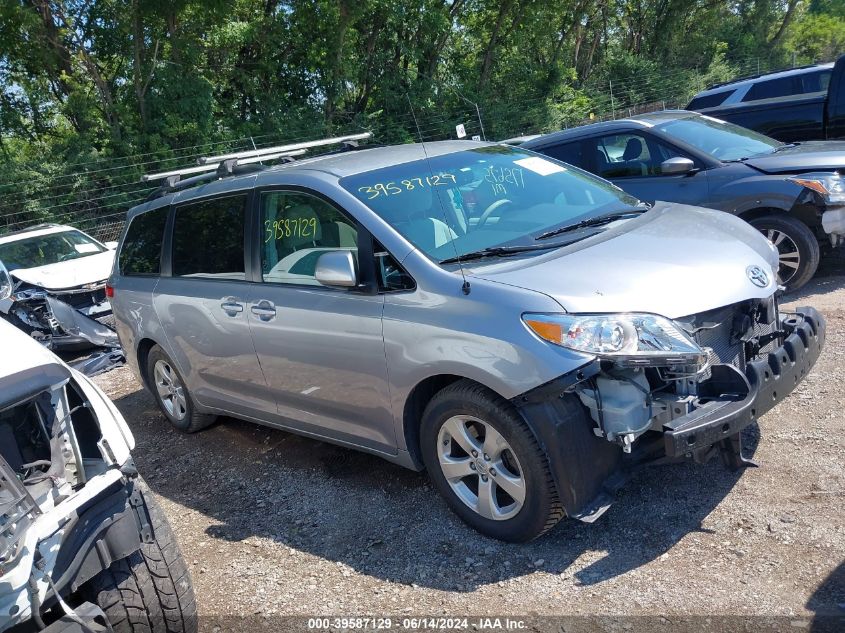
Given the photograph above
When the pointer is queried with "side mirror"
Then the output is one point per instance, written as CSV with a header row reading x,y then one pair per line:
x,y
336,269
5,283
110,245
676,165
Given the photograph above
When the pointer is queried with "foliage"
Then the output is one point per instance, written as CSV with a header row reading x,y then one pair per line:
x,y
95,93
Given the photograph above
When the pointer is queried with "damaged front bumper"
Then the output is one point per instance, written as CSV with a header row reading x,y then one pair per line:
x,y
598,424
833,223
730,400
70,319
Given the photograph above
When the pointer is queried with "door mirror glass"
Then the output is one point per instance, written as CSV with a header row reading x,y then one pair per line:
x,y
5,283
676,165
336,269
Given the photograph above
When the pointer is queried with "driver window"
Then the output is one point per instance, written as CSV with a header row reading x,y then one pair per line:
x,y
622,156
296,229
630,156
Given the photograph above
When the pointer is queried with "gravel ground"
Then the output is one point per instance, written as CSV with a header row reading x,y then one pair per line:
x,y
275,524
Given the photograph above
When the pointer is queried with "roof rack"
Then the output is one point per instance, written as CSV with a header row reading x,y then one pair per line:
x,y
240,156
210,167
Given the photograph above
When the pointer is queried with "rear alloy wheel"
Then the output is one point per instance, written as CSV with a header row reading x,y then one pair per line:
x,y
798,249
172,395
485,461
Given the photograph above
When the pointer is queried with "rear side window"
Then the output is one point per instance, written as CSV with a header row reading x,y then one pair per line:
x,y
141,252
709,101
774,88
208,238
569,153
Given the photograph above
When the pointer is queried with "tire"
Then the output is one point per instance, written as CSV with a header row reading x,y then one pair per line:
x,y
477,410
178,408
781,230
149,591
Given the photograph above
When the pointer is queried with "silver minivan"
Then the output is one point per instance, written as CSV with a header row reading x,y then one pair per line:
x,y
525,331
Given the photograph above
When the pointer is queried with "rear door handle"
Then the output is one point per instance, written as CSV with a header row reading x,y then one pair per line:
x,y
231,306
264,310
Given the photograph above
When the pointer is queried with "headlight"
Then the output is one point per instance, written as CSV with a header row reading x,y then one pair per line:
x,y
643,340
829,186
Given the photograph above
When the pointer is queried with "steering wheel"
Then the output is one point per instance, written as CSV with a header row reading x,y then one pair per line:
x,y
67,256
488,212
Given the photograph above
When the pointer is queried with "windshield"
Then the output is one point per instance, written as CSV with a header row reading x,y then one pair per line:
x,y
481,198
720,139
42,250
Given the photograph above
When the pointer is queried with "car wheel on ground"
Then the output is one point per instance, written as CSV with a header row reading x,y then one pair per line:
x,y
150,590
172,395
798,248
487,464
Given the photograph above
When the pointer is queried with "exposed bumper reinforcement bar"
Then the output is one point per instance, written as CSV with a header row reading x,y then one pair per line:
x,y
739,400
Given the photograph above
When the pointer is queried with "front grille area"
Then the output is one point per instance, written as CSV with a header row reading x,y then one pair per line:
x,y
84,299
734,332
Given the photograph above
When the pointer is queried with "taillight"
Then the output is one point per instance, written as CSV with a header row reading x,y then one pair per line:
x,y
109,291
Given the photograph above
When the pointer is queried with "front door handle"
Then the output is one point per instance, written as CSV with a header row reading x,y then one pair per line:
x,y
264,310
231,306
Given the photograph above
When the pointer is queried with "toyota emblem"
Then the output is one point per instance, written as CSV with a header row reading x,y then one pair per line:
x,y
757,276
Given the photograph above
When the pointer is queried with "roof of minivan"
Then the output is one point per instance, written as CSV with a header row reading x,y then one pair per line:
x,y
646,120
348,163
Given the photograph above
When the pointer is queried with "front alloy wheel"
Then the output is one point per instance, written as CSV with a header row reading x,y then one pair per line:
x,y
487,464
481,467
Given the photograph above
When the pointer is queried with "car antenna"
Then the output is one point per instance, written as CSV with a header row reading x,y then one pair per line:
x,y
465,287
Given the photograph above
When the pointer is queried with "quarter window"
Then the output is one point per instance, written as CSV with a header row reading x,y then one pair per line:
x,y
141,250
296,229
208,238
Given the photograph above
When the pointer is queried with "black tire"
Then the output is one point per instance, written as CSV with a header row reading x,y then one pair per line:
x,y
192,420
809,250
150,591
541,508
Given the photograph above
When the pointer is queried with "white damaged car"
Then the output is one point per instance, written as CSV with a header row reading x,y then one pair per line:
x,y
79,531
59,287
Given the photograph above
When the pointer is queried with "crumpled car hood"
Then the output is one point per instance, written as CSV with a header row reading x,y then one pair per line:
x,y
675,260
69,274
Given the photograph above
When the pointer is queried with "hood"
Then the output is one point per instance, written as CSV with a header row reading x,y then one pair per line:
x,y
69,274
675,260
808,156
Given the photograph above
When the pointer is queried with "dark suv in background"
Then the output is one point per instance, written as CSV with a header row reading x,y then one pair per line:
x,y
793,193
802,104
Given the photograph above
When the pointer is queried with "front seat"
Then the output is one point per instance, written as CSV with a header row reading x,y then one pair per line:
x,y
633,165
419,216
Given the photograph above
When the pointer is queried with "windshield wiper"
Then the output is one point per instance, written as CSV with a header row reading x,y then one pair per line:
x,y
503,251
599,220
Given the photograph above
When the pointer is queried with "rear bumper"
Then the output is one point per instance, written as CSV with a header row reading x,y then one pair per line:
x,y
740,399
